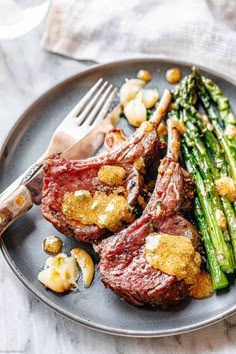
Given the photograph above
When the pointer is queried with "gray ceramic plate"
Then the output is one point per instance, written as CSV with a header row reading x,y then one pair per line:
x,y
95,307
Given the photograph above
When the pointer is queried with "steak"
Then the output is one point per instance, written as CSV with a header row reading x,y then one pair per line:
x,y
63,177
123,265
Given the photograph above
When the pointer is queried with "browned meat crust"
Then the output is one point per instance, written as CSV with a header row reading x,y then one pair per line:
x,y
63,177
123,265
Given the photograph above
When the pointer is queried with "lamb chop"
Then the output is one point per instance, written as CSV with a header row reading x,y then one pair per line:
x,y
125,257
91,199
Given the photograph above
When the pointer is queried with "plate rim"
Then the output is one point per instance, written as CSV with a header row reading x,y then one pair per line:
x,y
85,322
163,59
108,329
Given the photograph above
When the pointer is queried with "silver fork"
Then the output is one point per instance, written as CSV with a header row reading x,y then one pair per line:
x,y
84,117
87,113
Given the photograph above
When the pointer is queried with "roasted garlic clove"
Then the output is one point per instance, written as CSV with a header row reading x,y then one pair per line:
x,y
85,263
60,273
129,90
135,112
149,97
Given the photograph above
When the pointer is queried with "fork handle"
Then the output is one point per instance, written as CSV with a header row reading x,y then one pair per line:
x,y
13,206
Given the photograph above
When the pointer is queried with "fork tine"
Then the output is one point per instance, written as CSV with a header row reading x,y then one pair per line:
x,y
80,105
69,129
102,113
99,105
82,118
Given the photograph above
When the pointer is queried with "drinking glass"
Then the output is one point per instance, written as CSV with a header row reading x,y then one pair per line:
x,y
17,17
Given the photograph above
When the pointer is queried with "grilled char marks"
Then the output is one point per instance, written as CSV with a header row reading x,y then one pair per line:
x,y
68,176
62,176
123,264
126,271
167,195
142,143
188,193
174,191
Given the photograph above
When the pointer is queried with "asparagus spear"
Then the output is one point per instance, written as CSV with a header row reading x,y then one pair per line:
x,y
222,206
204,125
216,151
183,94
187,101
230,153
219,279
226,113
206,128
221,101
222,252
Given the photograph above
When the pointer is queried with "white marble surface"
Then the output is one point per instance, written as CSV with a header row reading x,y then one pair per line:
x,y
27,325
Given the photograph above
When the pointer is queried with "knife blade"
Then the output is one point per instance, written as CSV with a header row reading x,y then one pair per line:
x,y
29,192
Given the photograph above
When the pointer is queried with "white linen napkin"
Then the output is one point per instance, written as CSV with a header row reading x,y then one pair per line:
x,y
107,30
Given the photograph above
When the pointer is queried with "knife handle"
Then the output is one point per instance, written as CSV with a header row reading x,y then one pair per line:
x,y
13,206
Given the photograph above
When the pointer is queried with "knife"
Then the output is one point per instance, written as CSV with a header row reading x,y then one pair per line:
x,y
29,192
